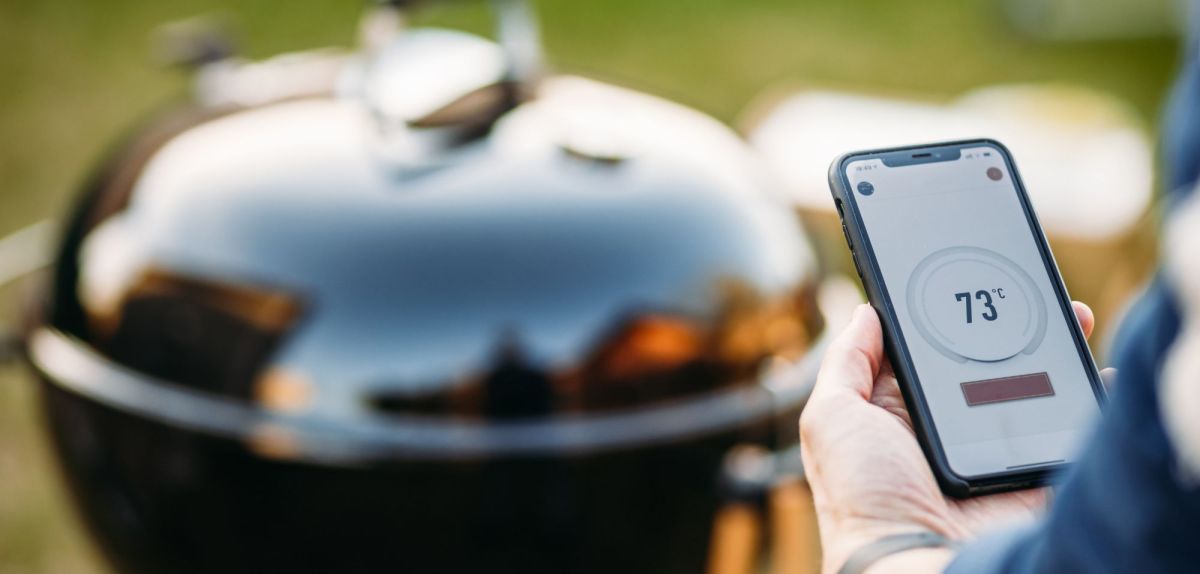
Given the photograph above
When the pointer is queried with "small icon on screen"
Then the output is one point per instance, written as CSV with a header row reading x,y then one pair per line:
x,y
865,188
994,173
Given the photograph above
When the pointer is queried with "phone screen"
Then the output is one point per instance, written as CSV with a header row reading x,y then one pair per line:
x,y
997,364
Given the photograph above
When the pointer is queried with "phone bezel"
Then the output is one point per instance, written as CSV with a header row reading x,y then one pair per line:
x,y
865,261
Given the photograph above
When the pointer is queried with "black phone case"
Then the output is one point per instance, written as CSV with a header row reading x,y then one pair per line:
x,y
868,271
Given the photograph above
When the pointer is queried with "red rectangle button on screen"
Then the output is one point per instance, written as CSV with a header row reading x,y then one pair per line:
x,y
1007,389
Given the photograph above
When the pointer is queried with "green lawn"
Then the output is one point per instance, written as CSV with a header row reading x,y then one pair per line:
x,y
74,74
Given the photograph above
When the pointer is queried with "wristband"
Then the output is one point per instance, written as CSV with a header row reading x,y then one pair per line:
x,y
864,557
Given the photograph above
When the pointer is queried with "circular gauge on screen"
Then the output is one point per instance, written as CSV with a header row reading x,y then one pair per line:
x,y
974,304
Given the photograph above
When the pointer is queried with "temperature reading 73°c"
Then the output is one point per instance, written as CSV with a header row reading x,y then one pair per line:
x,y
985,298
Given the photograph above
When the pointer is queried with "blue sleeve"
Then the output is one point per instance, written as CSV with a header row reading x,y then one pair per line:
x,y
1121,509
992,553
1181,126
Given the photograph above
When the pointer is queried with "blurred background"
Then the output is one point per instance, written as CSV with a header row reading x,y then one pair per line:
x,y
76,75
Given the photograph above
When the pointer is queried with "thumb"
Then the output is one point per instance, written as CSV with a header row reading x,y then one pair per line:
x,y
853,359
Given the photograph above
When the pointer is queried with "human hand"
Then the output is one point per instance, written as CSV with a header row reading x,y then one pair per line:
x,y
868,475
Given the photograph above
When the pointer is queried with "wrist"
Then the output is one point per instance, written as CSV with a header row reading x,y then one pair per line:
x,y
916,560
890,550
839,546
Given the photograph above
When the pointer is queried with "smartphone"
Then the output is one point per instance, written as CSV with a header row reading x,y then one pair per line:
x,y
998,378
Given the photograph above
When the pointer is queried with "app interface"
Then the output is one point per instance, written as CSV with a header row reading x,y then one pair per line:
x,y
977,309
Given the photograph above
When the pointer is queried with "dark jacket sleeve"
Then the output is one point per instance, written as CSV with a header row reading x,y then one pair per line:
x,y
1123,507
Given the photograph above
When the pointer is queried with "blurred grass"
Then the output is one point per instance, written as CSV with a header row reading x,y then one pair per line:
x,y
36,530
74,75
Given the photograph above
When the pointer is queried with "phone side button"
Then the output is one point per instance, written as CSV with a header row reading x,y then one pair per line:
x,y
857,267
846,234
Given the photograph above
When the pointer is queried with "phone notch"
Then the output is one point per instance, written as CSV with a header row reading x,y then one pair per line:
x,y
905,157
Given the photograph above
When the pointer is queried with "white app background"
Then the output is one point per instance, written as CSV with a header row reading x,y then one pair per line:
x,y
975,302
